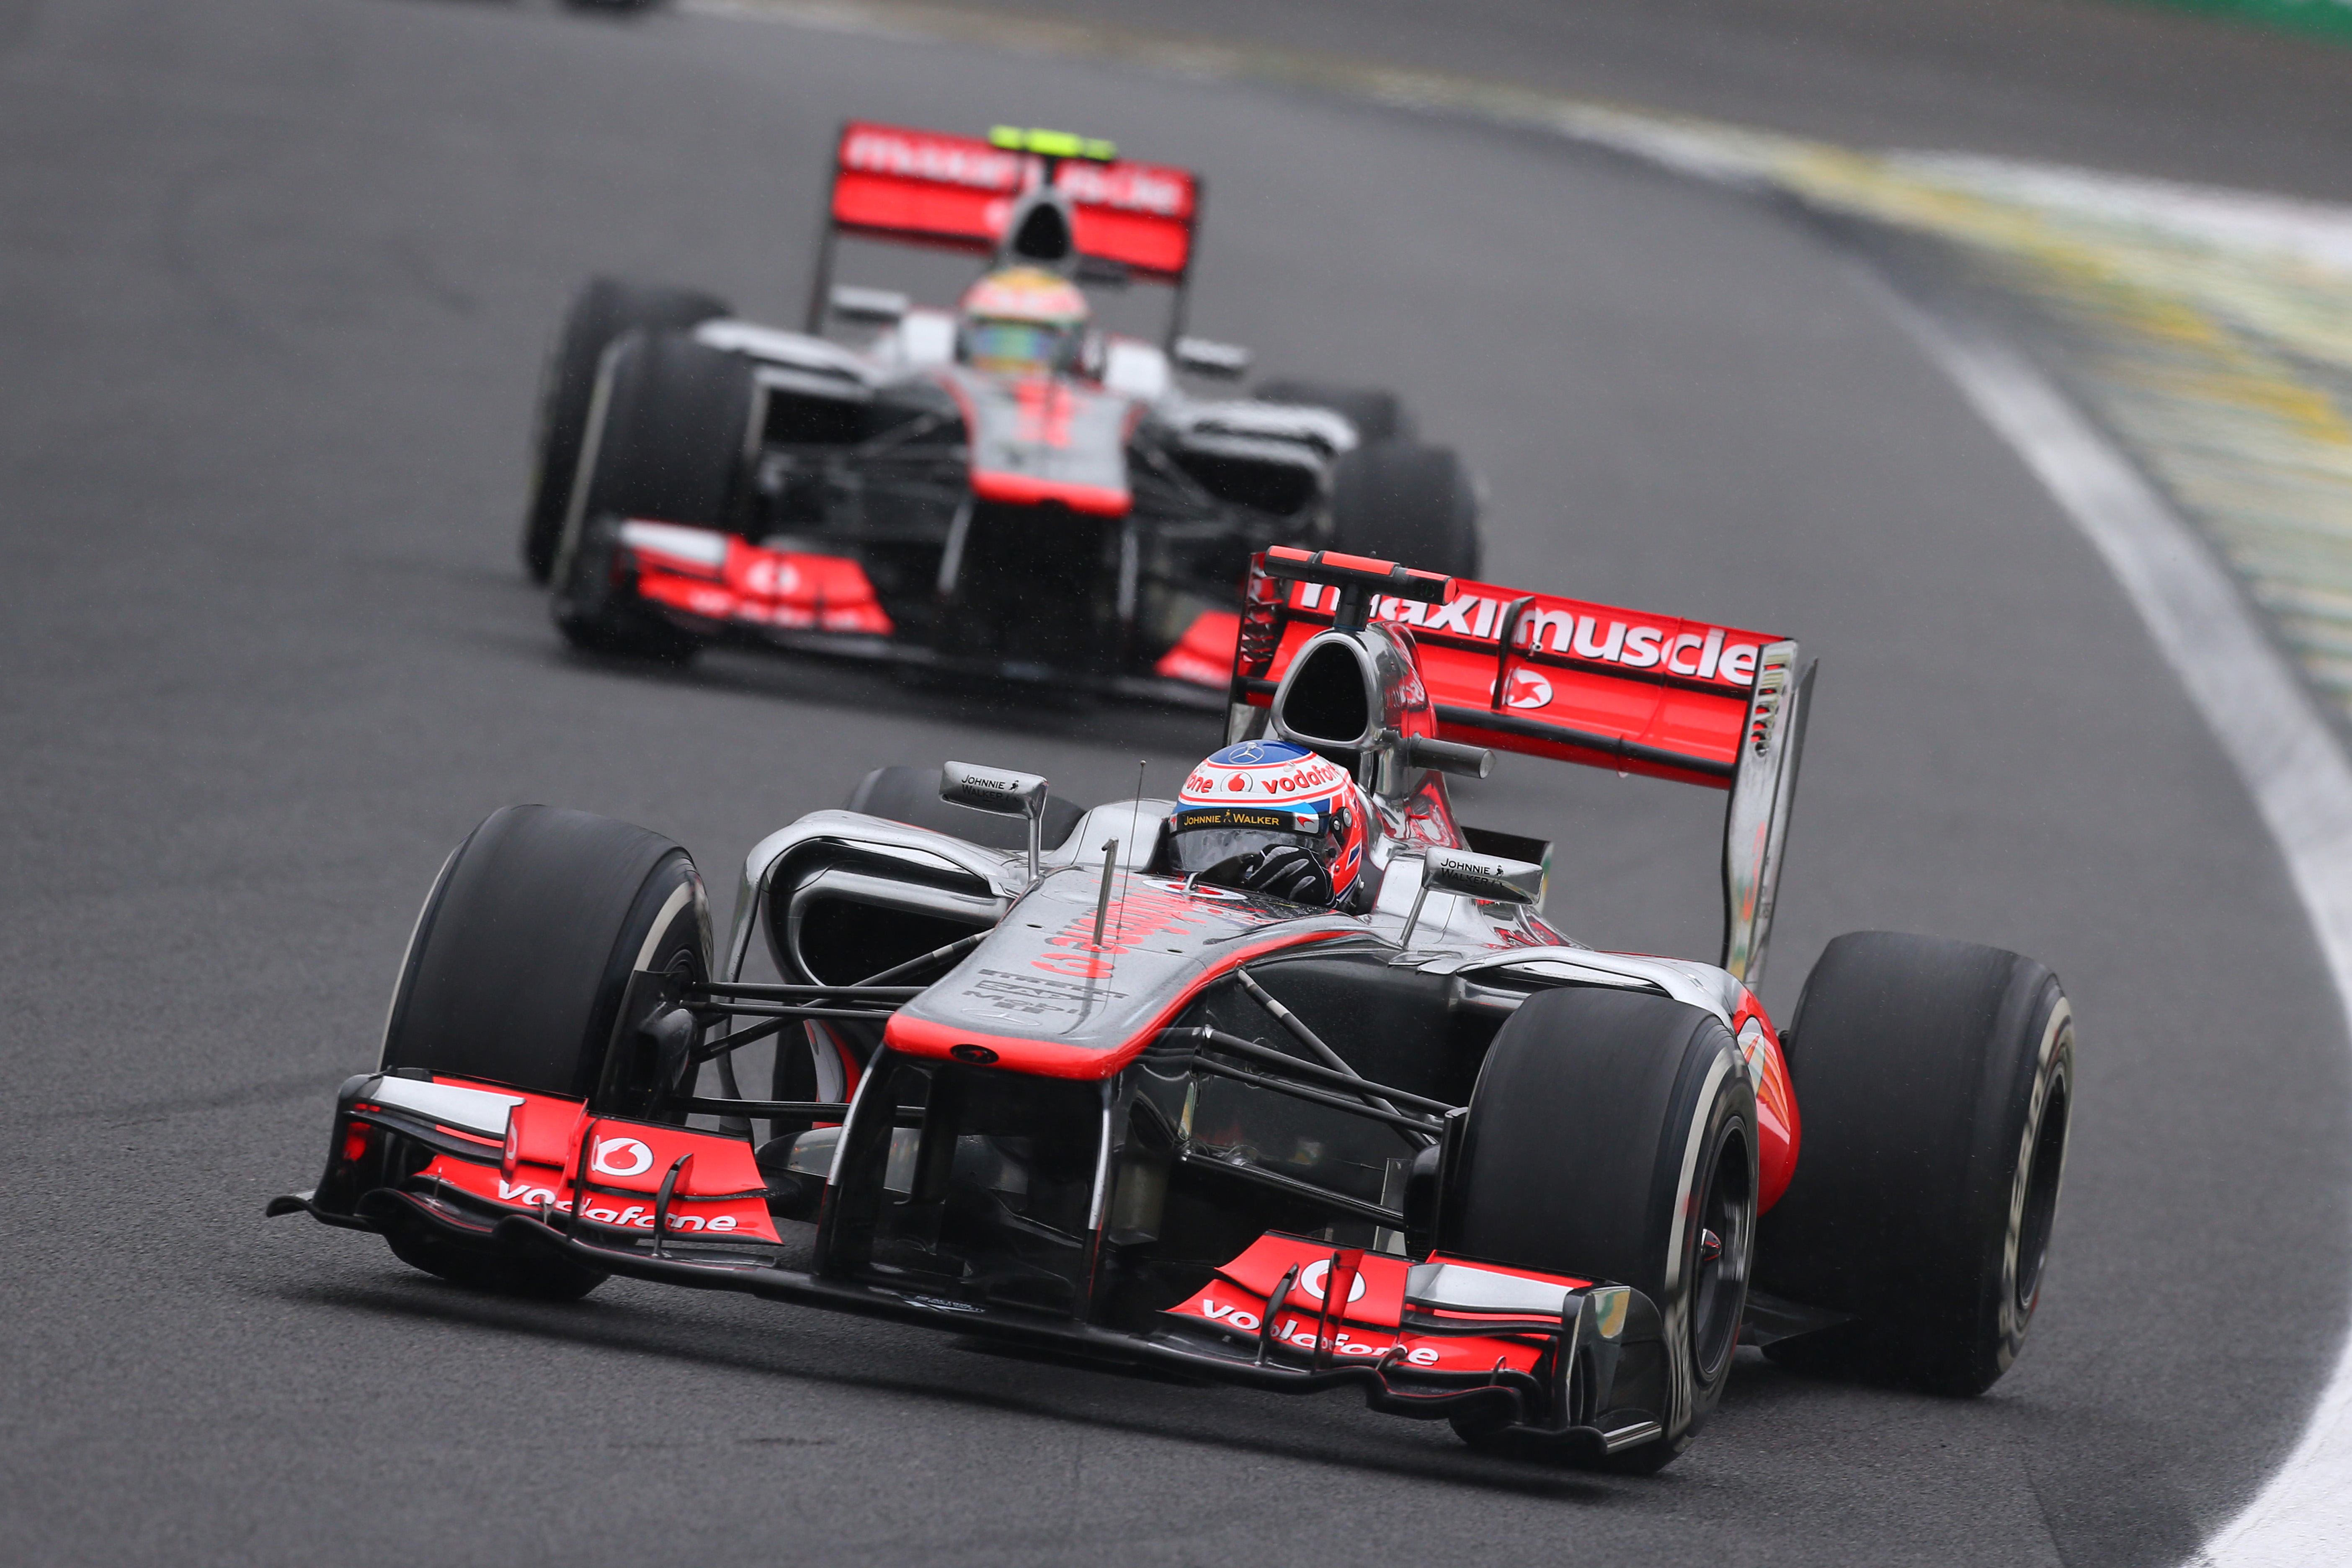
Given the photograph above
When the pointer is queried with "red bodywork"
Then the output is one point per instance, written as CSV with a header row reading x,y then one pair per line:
x,y
933,188
718,1190
1582,683
1371,1322
720,577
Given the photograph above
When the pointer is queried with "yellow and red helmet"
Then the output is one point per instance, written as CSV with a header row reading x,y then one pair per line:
x,y
1022,320
1272,817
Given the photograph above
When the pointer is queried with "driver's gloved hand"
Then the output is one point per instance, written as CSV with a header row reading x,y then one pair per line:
x,y
1289,872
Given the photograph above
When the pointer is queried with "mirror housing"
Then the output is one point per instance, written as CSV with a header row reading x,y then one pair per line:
x,y
1204,357
1489,879
869,307
1000,792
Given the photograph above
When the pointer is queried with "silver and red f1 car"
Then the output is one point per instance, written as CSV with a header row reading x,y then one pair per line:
x,y
1027,1078
939,494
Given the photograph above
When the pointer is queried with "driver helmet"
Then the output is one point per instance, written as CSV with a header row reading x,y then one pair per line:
x,y
1271,817
1022,320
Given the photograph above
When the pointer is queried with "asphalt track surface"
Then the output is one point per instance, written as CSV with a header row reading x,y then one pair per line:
x,y
2134,86
274,280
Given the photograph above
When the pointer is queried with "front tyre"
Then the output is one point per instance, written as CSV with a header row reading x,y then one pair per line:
x,y
1936,1082
604,311
516,976
516,973
1611,1137
670,439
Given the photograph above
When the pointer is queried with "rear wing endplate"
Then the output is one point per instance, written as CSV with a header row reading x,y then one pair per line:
x,y
1548,676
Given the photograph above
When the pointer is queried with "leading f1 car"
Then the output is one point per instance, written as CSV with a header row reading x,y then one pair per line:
x,y
1285,1082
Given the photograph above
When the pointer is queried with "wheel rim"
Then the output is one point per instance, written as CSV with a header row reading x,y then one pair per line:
x,y
2047,1155
1726,1219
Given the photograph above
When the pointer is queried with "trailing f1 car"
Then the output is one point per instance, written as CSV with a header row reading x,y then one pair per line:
x,y
999,491
1286,1082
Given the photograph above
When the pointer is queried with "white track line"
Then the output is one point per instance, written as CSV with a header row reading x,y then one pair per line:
x,y
2272,733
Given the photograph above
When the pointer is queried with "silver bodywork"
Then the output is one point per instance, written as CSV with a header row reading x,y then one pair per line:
x,y
922,343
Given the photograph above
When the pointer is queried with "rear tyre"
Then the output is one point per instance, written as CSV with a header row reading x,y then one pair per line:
x,y
669,440
516,976
1377,413
603,311
1936,1080
1612,1136
1414,505
911,795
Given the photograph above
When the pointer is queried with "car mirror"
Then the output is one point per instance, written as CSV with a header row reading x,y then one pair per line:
x,y
1000,792
1489,879
872,307
1202,356
1104,272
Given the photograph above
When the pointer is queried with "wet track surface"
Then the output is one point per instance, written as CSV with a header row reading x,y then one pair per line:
x,y
274,276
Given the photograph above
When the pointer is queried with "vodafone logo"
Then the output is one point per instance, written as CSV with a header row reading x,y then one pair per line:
x,y
1311,1279
621,1157
1313,780
1527,690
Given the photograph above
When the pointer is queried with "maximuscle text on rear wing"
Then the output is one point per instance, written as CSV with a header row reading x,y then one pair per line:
x,y
1580,683
941,190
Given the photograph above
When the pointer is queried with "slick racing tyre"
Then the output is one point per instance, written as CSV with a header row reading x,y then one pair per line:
x,y
1414,505
911,795
1936,1080
1612,1136
1377,413
668,440
603,311
516,976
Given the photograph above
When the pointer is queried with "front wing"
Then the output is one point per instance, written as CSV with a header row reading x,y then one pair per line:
x,y
720,584
1568,1360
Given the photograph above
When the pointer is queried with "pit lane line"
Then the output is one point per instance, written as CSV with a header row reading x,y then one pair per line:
x,y
2263,716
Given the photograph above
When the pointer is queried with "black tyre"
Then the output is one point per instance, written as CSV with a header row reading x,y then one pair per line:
x,y
499,1273
669,440
1416,505
1935,1083
1377,413
603,311
1612,1136
911,795
516,974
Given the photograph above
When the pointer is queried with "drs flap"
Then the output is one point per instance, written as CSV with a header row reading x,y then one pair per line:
x,y
898,183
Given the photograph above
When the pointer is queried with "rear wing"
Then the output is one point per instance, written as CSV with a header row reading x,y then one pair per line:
x,y
937,189
1548,676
